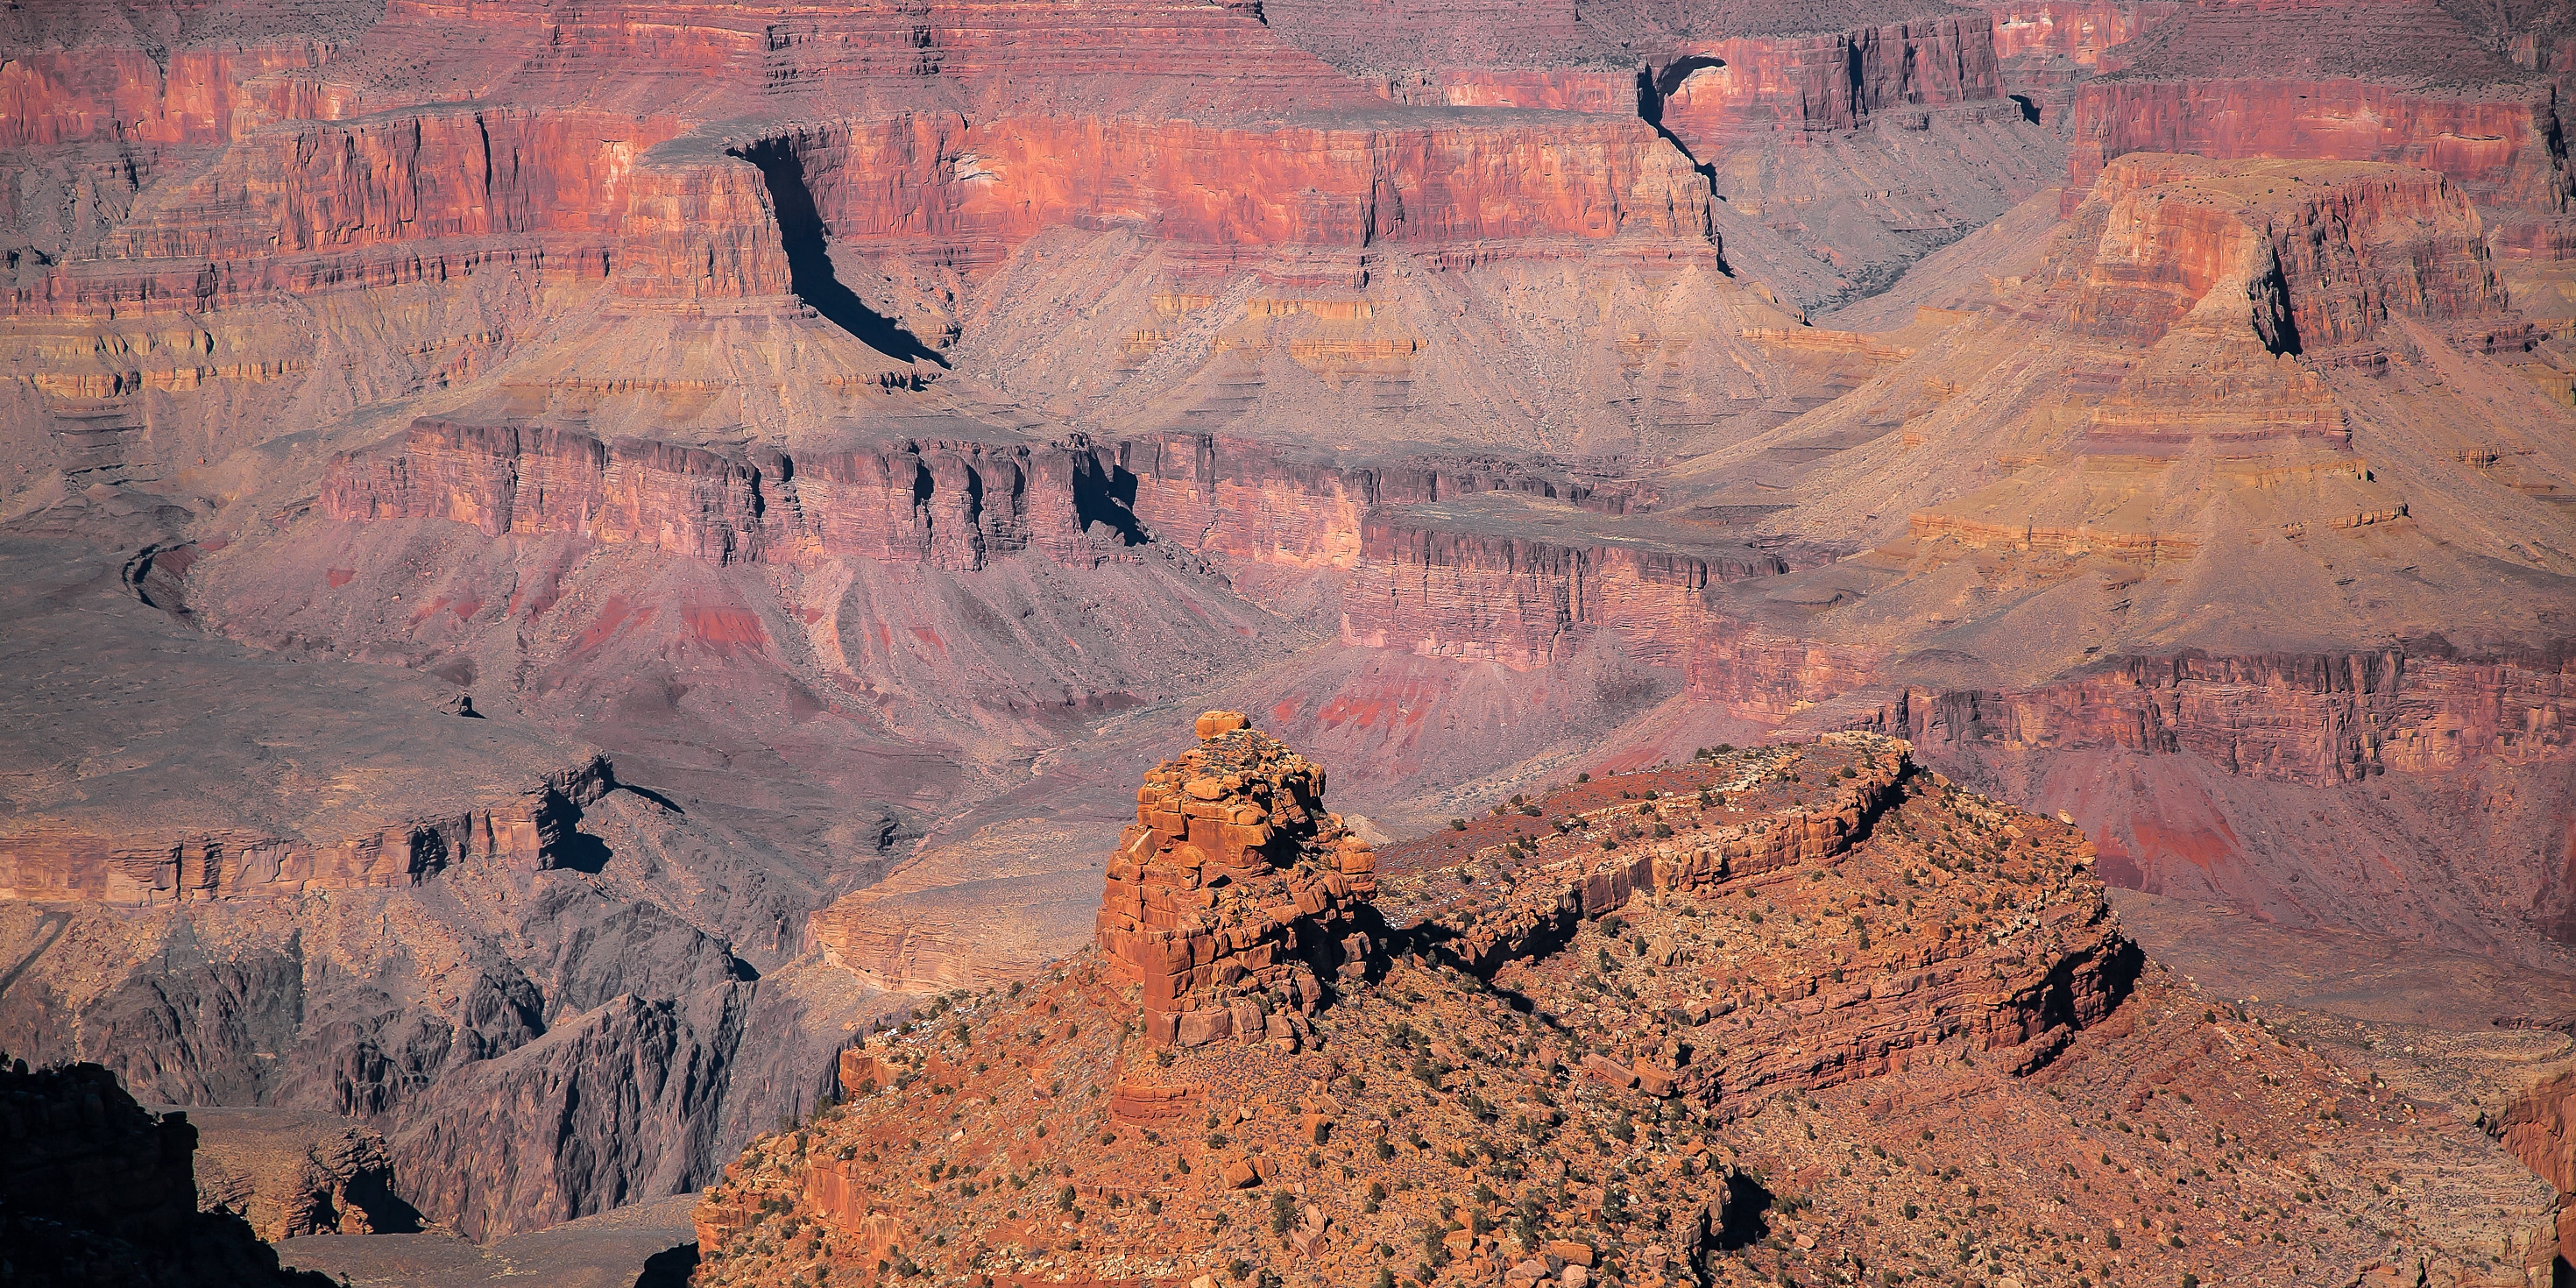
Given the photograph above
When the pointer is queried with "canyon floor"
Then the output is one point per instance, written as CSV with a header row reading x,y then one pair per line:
x,y
563,566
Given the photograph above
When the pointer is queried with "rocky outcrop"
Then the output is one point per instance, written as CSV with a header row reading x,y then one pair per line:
x,y
1234,893
629,1093
1572,876
2324,255
2539,1128
94,1190
1612,1101
701,231
2057,966
71,861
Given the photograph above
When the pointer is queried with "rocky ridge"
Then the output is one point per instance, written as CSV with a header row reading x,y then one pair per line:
x,y
1685,1084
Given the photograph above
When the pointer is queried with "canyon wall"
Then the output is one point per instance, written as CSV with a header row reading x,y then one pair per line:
x,y
933,186
1559,89
2500,147
62,862
2324,253
1526,602
1253,501
96,1189
2317,720
953,504
50,97
1732,91
2048,50
413,197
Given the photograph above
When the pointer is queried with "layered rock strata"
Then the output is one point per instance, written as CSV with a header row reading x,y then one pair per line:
x,y
2059,966
1255,502
1583,870
2496,146
1234,894
934,187
1454,582
1729,92
2324,254
952,504
145,866
2318,721
291,1174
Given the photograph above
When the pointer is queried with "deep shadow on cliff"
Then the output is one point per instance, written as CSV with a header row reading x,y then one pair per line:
x,y
809,263
96,1190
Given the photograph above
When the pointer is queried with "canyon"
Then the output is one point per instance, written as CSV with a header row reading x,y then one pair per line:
x,y
567,566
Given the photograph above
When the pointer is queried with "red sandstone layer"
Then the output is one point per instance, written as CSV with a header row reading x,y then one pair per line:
x,y
1729,92
2495,145
954,193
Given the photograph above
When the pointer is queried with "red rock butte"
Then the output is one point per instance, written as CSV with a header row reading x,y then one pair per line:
x,y
1235,894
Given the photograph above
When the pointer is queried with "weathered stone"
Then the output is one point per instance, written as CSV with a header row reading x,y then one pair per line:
x,y
1285,885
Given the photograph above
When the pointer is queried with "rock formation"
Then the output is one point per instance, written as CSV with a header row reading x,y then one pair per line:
x,y
1690,1078
1231,888
290,1174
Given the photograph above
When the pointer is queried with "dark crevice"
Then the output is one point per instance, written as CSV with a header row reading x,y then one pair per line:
x,y
1652,89
809,263
1671,77
651,795
1103,496
2029,109
669,1268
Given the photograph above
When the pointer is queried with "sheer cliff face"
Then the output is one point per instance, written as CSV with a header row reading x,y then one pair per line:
x,y
2499,148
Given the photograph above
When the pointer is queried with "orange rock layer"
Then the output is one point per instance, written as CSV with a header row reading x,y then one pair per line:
x,y
1732,91
949,192
1232,889
2326,253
